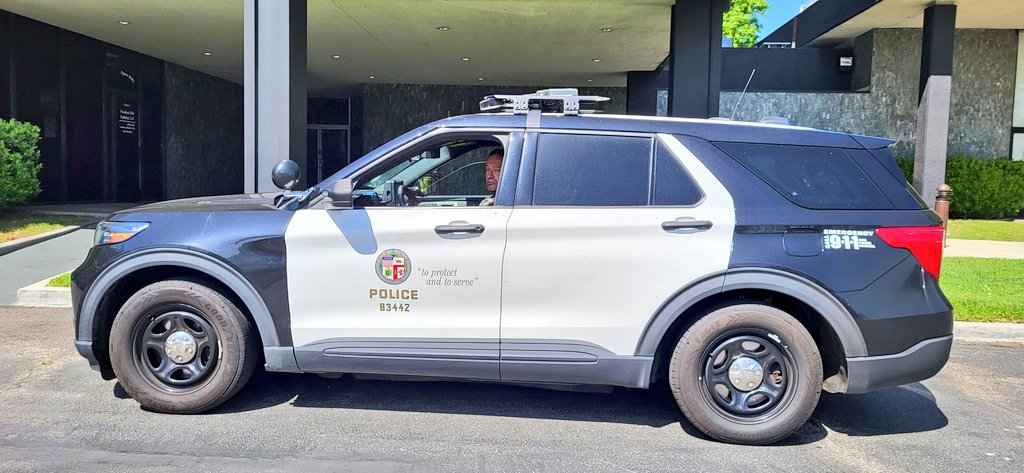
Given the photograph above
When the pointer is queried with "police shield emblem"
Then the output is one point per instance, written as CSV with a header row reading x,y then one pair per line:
x,y
393,266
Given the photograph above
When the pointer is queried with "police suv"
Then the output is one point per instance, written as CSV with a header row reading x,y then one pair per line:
x,y
749,265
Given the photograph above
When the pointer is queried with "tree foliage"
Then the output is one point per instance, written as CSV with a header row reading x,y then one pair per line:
x,y
740,24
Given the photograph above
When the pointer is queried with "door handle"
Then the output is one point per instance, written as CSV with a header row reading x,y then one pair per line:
x,y
693,225
461,228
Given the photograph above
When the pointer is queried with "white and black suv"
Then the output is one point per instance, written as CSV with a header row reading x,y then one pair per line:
x,y
749,265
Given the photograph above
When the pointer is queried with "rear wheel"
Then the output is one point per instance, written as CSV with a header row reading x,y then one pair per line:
x,y
179,346
748,374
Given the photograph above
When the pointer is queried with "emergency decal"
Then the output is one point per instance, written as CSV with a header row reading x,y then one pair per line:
x,y
393,266
847,239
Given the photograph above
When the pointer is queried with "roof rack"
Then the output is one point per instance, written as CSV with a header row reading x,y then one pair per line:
x,y
565,101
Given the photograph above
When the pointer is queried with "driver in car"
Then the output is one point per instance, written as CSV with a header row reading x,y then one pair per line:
x,y
492,172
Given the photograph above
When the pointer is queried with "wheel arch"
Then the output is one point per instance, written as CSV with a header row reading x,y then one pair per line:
x,y
159,264
778,288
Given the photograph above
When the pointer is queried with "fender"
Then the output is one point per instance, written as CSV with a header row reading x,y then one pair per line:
x,y
798,287
278,358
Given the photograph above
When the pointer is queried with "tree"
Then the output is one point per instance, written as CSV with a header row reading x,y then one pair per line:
x,y
739,23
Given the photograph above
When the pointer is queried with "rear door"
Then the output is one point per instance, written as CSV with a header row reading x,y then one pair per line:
x,y
605,230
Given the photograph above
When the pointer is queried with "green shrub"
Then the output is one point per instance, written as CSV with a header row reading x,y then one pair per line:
x,y
19,162
982,188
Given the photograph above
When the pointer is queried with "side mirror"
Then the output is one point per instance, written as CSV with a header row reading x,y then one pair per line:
x,y
339,195
285,174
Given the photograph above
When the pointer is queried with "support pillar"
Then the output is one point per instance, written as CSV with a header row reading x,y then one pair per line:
x,y
934,99
642,92
275,89
695,58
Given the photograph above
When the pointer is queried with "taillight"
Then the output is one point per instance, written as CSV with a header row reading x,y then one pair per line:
x,y
925,243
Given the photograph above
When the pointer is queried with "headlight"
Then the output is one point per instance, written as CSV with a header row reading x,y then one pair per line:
x,y
108,233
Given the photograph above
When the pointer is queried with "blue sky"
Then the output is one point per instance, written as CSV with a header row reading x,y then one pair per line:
x,y
778,14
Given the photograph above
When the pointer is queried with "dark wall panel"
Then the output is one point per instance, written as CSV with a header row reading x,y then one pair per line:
x,y
5,63
84,111
202,134
785,69
37,75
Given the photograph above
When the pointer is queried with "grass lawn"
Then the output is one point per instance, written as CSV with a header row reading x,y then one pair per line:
x,y
15,225
64,280
986,230
984,289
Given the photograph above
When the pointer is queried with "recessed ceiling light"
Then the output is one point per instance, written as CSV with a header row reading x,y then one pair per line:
x,y
607,30
207,53
590,80
336,56
465,59
479,78
125,22
596,60
373,77
443,28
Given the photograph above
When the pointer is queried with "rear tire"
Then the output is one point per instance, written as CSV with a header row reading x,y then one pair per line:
x,y
747,374
179,346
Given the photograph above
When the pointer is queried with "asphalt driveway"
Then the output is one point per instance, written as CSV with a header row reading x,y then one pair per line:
x,y
56,413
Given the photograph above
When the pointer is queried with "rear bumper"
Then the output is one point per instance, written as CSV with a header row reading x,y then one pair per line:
x,y
919,362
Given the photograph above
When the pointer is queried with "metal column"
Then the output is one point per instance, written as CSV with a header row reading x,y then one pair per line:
x,y
275,89
642,92
695,58
934,94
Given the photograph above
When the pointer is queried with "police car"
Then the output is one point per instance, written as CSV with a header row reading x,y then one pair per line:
x,y
748,265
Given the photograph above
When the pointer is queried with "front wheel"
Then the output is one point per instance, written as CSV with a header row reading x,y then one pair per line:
x,y
180,346
748,374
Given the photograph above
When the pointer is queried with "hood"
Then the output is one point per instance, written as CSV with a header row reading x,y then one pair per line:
x,y
220,203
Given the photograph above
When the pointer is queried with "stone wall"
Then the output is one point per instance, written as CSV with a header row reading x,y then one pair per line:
x,y
984,63
392,109
203,126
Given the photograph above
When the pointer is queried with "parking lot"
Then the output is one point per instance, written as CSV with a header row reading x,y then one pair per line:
x,y
56,413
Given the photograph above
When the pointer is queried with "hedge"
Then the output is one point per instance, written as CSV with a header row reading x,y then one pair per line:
x,y
19,162
982,188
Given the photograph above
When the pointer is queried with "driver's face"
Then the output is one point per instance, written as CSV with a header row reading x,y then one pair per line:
x,y
493,166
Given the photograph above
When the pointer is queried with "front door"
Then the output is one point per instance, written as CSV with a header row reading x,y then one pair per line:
x,y
401,285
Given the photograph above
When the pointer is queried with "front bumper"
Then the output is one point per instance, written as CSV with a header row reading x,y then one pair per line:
x,y
85,349
917,363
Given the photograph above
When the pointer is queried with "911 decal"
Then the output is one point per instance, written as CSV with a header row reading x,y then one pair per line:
x,y
847,239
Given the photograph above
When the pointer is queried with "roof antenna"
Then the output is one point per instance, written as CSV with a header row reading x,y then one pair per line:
x,y
738,102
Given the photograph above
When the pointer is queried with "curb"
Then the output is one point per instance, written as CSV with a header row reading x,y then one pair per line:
x,y
39,295
28,241
988,332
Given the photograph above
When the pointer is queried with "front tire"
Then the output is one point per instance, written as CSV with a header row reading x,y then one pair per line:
x,y
747,374
182,347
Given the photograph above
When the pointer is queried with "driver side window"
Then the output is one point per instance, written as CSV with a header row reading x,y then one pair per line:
x,y
448,173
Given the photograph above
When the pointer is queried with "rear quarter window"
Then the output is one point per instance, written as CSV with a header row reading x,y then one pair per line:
x,y
811,177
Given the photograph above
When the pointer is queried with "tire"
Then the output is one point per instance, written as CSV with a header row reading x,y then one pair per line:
x,y
214,344
727,405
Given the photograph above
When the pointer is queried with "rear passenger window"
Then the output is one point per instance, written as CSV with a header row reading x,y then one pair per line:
x,y
672,184
811,177
590,170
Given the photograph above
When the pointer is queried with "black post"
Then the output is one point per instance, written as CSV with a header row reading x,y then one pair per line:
x,y
695,58
275,89
642,92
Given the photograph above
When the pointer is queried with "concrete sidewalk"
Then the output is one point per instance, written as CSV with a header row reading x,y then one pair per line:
x,y
984,249
39,261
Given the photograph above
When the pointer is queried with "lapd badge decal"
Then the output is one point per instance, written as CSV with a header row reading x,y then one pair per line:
x,y
393,266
